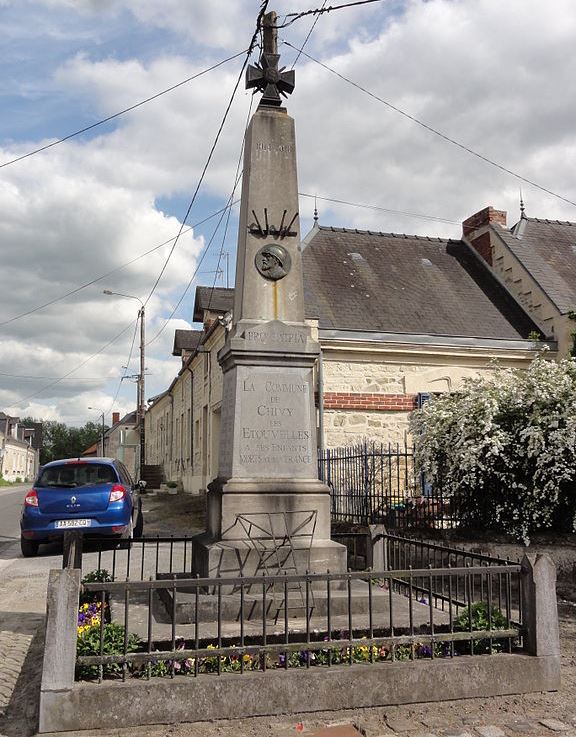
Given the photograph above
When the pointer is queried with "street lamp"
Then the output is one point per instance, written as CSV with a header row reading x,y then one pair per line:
x,y
95,409
141,407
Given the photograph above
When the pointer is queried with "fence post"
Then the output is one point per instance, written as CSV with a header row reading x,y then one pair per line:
x,y
376,553
539,607
60,646
72,549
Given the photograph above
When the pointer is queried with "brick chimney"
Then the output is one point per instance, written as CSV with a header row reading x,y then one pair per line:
x,y
115,417
476,230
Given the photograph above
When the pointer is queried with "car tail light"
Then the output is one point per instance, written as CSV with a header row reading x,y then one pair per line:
x,y
118,492
31,498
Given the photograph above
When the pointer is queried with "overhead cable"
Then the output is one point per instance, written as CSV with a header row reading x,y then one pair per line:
x,y
312,27
113,271
382,209
72,371
195,273
215,143
323,9
433,130
121,112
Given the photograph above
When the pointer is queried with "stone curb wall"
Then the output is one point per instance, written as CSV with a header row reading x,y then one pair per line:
x,y
66,705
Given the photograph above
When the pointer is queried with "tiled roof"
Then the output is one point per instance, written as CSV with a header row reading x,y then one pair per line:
x,y
547,249
217,299
363,280
186,340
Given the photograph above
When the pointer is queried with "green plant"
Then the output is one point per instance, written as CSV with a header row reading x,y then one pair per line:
x,y
503,448
478,614
98,576
113,636
172,484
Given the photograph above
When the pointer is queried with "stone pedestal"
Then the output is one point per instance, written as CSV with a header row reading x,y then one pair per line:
x,y
268,460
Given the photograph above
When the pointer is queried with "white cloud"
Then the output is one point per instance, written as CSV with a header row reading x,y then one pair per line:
x,y
496,76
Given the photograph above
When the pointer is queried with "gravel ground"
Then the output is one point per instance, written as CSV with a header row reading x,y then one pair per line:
x,y
21,642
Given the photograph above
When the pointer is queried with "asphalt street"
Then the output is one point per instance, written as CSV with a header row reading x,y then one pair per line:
x,y
11,498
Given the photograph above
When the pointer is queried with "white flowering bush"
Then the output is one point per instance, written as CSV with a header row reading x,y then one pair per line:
x,y
504,448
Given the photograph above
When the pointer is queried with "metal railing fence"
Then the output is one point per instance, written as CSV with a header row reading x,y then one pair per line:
x,y
373,483
404,614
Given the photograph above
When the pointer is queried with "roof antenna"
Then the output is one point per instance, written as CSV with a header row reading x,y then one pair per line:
x,y
522,209
315,212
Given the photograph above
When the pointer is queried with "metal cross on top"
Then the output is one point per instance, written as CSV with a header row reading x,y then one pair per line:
x,y
266,76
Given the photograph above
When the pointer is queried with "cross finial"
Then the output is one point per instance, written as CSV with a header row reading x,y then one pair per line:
x,y
266,76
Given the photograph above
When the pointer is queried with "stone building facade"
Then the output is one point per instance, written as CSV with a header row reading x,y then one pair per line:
x,y
19,449
397,318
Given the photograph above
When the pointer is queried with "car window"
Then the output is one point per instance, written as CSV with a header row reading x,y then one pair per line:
x,y
124,474
77,474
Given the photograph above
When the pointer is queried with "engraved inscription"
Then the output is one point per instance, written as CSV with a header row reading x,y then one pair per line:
x,y
275,429
283,148
260,336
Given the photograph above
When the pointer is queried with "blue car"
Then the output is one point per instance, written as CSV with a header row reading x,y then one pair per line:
x,y
96,495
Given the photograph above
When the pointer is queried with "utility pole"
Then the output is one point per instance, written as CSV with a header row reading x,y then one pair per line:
x,y
141,395
140,399
103,431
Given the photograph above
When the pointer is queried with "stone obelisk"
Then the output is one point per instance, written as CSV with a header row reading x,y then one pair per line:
x,y
268,479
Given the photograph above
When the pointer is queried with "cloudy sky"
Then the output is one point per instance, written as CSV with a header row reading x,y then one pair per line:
x,y
101,210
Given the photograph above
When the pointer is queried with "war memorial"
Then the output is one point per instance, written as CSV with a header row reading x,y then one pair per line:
x,y
259,615
268,484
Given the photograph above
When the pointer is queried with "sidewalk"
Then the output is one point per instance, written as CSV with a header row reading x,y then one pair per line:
x,y
22,605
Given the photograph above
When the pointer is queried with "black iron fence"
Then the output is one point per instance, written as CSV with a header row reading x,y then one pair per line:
x,y
314,620
373,483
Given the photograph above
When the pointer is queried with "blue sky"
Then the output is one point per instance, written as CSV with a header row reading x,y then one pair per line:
x,y
495,76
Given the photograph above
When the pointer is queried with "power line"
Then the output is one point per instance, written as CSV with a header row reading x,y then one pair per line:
x,y
113,271
44,378
312,27
238,176
195,273
61,378
113,402
261,13
319,11
215,143
121,112
382,209
436,132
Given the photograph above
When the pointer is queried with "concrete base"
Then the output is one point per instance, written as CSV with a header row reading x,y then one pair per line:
x,y
230,558
358,605
248,519
231,695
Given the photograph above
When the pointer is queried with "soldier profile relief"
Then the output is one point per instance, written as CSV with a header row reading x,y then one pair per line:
x,y
273,261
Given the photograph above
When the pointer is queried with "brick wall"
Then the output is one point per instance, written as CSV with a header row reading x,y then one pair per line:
x,y
370,401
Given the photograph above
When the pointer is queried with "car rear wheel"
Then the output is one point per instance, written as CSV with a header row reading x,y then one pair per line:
x,y
139,526
29,548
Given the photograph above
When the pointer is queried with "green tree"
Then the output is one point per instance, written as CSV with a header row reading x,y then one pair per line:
x,y
505,446
61,441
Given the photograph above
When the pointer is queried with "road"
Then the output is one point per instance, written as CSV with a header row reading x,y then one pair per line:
x,y
11,498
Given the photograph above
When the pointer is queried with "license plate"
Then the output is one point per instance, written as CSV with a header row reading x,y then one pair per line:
x,y
73,523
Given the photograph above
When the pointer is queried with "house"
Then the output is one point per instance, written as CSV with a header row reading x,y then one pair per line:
x,y
397,317
19,448
121,441
536,261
